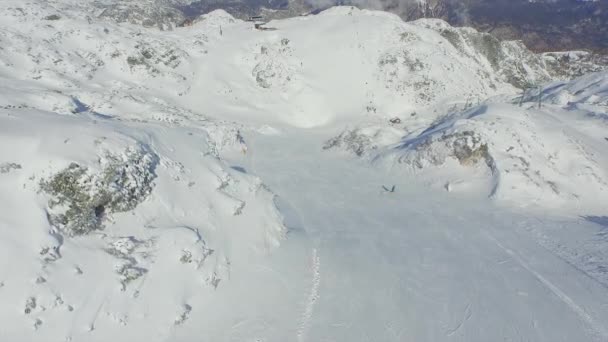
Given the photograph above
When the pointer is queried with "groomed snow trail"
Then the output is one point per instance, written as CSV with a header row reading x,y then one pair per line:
x,y
420,264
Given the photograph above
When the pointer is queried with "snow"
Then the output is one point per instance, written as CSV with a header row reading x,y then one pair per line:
x,y
548,157
221,183
192,236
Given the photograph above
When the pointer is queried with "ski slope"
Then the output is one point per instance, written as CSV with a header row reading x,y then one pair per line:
x,y
422,264
221,183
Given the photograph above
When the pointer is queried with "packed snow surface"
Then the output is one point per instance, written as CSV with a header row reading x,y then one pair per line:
x,y
339,177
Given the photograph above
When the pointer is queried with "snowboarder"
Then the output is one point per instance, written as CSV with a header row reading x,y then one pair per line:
x,y
387,189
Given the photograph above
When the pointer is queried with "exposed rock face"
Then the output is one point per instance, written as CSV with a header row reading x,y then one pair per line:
x,y
510,59
467,147
81,199
161,14
275,67
573,64
352,141
542,25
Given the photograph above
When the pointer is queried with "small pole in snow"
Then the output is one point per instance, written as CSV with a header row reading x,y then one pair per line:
x,y
221,33
523,94
540,96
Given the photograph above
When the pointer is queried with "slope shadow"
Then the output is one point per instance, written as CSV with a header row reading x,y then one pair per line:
x,y
239,169
602,221
81,108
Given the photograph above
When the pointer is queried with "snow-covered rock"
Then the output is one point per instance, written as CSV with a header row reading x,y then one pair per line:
x,y
547,158
123,210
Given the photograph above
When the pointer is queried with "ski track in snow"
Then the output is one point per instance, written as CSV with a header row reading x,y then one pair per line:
x,y
468,312
313,296
597,328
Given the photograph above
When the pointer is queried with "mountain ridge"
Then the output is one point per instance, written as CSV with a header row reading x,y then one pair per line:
x,y
344,176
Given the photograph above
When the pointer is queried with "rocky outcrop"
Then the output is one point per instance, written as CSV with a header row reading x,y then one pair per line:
x,y
161,14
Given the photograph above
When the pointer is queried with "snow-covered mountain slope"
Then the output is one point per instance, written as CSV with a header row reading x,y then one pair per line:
x,y
367,62
220,182
508,149
104,217
425,264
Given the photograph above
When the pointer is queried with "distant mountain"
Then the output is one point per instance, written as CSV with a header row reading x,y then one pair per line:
x,y
543,25
163,14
